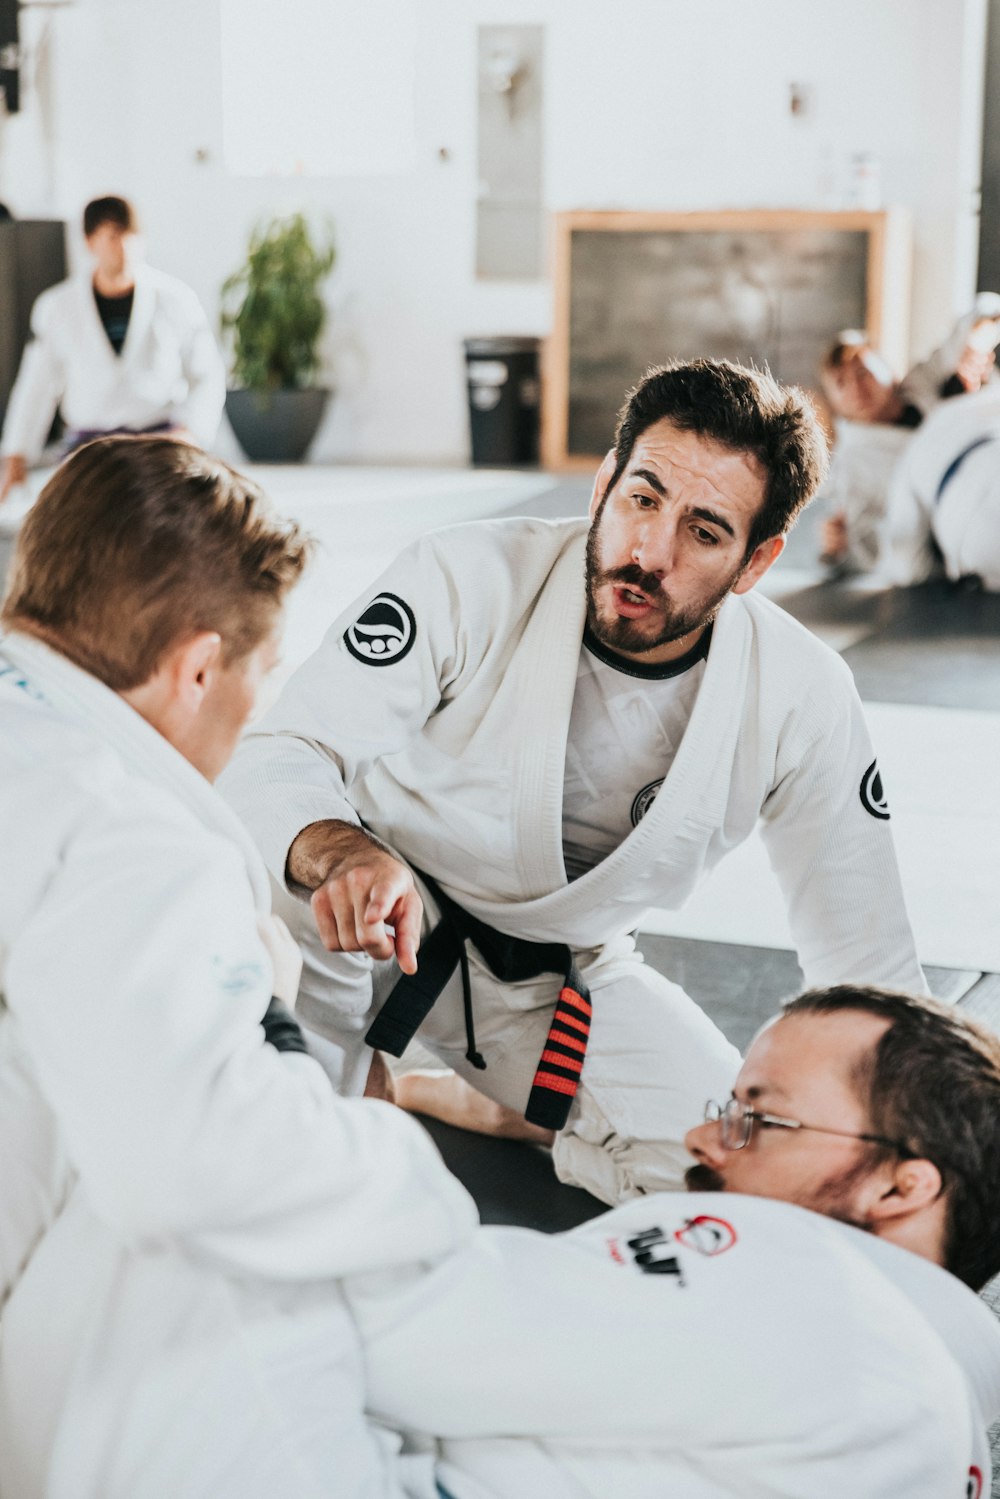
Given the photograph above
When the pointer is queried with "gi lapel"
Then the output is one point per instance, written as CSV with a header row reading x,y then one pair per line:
x,y
100,355
547,657
143,307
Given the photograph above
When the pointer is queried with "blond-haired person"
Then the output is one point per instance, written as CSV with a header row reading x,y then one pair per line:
x,y
178,1192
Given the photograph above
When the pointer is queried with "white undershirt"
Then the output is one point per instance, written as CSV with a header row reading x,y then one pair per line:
x,y
626,725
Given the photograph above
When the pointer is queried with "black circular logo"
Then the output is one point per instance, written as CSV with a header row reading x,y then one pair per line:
x,y
384,633
644,800
871,793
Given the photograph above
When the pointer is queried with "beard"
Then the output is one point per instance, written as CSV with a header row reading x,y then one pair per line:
x,y
632,636
833,1198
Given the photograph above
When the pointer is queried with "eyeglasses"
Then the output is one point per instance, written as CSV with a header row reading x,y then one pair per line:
x,y
736,1125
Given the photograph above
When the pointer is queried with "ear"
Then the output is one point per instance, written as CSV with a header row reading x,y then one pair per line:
x,y
603,479
761,558
913,1186
189,667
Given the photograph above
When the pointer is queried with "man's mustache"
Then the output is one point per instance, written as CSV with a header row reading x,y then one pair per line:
x,y
703,1179
632,575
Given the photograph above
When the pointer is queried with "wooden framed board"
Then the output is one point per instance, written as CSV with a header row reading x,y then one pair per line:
x,y
768,287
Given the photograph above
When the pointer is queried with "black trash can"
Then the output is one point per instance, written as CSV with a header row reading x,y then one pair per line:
x,y
503,400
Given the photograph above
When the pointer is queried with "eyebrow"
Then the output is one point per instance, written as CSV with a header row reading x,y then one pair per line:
x,y
757,1091
701,511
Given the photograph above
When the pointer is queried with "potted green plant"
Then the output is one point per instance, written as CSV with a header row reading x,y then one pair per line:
x,y
274,311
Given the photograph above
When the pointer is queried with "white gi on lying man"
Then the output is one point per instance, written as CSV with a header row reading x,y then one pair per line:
x,y
220,1278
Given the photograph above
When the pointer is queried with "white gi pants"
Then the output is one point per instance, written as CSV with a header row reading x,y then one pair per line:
x,y
653,1057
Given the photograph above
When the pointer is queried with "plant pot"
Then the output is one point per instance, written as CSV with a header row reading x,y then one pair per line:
x,y
276,426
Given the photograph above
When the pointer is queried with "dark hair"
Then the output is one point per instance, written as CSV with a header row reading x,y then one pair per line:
x,y
138,542
933,1083
109,211
744,410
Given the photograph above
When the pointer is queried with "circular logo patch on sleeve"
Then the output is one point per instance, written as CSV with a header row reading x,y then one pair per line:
x,y
383,633
872,795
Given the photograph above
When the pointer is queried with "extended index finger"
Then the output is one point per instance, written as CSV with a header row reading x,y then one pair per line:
x,y
407,920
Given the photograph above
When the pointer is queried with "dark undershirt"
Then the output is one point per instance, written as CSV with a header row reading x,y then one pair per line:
x,y
115,313
662,669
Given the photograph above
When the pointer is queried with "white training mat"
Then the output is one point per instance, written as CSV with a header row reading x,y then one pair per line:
x,y
941,773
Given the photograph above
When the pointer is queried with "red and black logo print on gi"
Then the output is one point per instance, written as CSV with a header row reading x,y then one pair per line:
x,y
871,793
708,1236
644,800
974,1487
383,633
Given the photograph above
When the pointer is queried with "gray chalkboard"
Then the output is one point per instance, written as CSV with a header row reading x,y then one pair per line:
x,y
639,297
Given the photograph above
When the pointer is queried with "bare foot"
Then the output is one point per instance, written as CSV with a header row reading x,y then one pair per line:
x,y
448,1097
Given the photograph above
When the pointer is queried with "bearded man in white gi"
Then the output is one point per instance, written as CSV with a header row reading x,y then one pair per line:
x,y
119,347
944,500
525,734
804,1324
180,1187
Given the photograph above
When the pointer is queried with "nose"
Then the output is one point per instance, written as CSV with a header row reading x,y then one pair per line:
x,y
654,543
704,1142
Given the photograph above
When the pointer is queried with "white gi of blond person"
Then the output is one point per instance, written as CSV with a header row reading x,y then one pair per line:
x,y
875,415
117,347
523,735
803,1324
943,518
180,1187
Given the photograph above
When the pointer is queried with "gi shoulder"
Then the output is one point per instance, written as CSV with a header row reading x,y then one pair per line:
x,y
794,664
499,566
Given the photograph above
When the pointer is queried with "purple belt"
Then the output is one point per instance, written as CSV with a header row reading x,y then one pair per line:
x,y
76,439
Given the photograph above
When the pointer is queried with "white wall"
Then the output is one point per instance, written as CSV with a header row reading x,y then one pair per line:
x,y
649,103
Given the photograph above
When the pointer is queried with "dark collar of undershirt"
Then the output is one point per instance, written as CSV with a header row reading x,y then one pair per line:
x,y
663,669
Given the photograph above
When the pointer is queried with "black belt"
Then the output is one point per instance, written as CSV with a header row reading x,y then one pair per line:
x,y
509,959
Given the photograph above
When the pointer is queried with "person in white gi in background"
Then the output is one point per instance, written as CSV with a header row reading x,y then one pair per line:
x,y
563,724
177,1194
118,347
944,499
875,416
798,1328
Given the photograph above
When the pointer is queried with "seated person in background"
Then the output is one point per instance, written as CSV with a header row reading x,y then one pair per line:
x,y
177,1196
802,1325
536,730
944,497
120,347
874,414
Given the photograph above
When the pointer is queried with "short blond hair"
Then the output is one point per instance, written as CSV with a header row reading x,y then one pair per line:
x,y
138,542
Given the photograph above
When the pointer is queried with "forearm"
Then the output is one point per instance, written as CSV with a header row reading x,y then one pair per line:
x,y
322,848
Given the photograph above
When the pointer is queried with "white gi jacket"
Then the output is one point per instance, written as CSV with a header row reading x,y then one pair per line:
x,y
865,455
178,1330
944,501
453,748
169,369
703,1346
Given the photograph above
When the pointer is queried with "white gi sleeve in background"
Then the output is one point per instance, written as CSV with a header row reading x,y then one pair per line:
x,y
138,983
826,829
337,715
37,390
908,549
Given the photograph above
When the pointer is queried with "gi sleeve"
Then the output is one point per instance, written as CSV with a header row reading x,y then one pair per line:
x,y
139,985
385,666
579,1353
37,391
825,825
201,409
